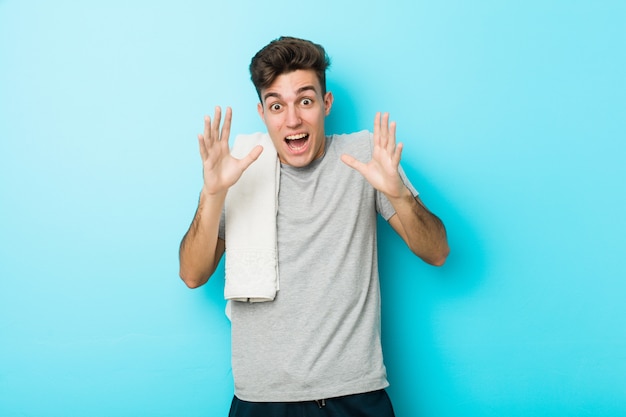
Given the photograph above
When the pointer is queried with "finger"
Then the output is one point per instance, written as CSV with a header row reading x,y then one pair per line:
x,y
392,137
353,163
377,129
215,127
203,152
207,128
251,157
384,131
226,127
398,154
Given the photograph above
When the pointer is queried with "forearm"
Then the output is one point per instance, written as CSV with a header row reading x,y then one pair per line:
x,y
200,250
423,232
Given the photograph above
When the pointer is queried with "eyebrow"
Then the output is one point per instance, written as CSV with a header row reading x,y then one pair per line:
x,y
298,92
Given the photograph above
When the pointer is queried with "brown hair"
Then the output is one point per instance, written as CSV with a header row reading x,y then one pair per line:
x,y
287,54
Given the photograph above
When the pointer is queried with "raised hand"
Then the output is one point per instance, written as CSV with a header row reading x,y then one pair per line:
x,y
220,169
382,170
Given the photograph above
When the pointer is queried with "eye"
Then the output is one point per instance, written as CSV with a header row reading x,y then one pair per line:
x,y
306,101
275,107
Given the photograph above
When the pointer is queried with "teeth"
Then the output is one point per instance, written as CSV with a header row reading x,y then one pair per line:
x,y
299,136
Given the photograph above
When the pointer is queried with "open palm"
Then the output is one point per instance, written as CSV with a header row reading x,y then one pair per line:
x,y
382,170
220,169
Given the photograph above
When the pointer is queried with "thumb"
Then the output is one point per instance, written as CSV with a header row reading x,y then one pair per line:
x,y
252,156
352,162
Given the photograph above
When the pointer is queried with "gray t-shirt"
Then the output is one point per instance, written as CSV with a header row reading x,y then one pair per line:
x,y
320,337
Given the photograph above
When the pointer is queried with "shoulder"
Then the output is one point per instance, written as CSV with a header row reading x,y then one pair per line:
x,y
245,142
358,144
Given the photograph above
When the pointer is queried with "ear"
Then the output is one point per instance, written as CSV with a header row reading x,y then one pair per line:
x,y
328,103
259,109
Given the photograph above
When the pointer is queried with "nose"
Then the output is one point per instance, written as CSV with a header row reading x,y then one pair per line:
x,y
293,117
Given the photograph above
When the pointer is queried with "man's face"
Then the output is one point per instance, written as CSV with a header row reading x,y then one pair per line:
x,y
293,110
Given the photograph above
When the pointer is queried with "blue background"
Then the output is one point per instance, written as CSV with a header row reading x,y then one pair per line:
x,y
513,115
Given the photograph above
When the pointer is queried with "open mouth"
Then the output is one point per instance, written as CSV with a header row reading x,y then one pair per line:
x,y
297,142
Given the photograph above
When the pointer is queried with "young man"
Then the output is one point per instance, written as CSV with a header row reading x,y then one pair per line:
x,y
315,349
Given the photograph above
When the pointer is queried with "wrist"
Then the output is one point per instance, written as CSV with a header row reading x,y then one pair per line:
x,y
211,197
402,193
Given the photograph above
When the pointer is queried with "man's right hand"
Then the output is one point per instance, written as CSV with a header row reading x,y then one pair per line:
x,y
220,169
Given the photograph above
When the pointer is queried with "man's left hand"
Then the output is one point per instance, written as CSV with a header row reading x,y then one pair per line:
x,y
382,171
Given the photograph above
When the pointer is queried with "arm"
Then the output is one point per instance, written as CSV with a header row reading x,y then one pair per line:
x,y
421,230
201,249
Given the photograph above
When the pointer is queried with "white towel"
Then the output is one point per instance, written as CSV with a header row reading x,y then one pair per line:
x,y
250,221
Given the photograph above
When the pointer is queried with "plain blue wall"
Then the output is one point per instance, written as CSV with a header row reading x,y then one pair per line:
x,y
513,117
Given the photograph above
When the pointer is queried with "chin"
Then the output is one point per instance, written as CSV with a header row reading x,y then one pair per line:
x,y
297,162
